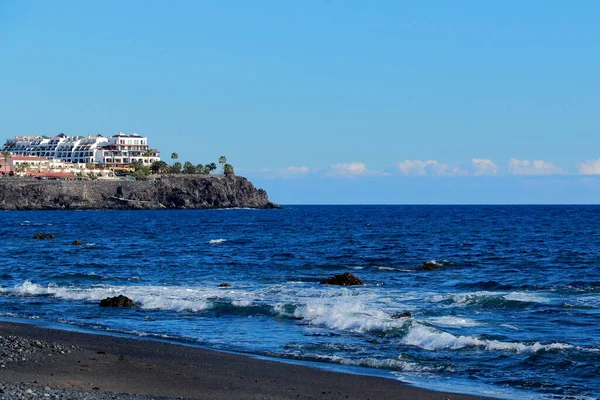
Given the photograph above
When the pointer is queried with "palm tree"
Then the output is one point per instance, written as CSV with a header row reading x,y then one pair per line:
x,y
6,155
23,167
159,167
135,164
228,170
223,162
188,168
212,167
174,156
148,153
176,168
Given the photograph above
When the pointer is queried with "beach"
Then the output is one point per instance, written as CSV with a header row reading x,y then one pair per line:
x,y
80,365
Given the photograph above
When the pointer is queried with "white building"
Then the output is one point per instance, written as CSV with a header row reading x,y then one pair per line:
x,y
20,165
122,149
32,165
119,150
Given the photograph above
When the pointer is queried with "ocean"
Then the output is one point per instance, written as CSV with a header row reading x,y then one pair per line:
x,y
513,311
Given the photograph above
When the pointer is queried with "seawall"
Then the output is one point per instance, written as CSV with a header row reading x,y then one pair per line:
x,y
164,192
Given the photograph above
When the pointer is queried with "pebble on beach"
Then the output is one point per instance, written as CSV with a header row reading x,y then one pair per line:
x,y
15,349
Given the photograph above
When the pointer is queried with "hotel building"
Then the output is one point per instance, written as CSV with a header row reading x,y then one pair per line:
x,y
119,150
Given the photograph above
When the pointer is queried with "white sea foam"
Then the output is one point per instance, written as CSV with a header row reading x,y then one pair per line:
x,y
154,302
465,299
527,297
450,321
29,288
243,302
345,310
431,339
461,298
348,314
216,241
176,299
389,363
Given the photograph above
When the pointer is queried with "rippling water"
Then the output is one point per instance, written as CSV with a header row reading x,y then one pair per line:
x,y
513,310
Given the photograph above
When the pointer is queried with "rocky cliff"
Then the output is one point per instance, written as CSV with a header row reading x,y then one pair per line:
x,y
168,191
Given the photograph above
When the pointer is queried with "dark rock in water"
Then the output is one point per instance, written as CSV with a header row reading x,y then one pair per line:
x,y
430,266
77,243
374,341
345,279
406,314
119,301
43,236
225,285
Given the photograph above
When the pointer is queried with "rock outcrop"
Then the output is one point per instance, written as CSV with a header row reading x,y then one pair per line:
x,y
345,279
405,314
164,192
430,266
43,236
118,301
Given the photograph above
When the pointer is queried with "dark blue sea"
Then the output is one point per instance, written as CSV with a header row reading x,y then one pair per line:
x,y
513,310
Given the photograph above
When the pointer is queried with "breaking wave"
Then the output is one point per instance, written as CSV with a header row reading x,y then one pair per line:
x,y
491,300
431,339
346,312
348,315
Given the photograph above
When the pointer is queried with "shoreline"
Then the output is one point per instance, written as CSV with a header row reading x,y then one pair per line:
x,y
101,366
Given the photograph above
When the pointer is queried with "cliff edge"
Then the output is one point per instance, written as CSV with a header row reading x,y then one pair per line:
x,y
164,192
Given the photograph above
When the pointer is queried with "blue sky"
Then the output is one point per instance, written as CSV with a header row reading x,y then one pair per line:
x,y
326,101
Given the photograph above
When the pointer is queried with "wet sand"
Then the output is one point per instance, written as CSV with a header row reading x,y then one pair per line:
x,y
100,363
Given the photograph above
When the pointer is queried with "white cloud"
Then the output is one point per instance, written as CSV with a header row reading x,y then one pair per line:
x,y
589,167
351,169
414,167
483,166
429,167
535,167
293,171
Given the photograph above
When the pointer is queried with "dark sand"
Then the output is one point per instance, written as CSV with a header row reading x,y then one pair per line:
x,y
122,365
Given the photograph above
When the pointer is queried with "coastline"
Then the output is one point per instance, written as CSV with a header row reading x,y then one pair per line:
x,y
111,366
161,192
